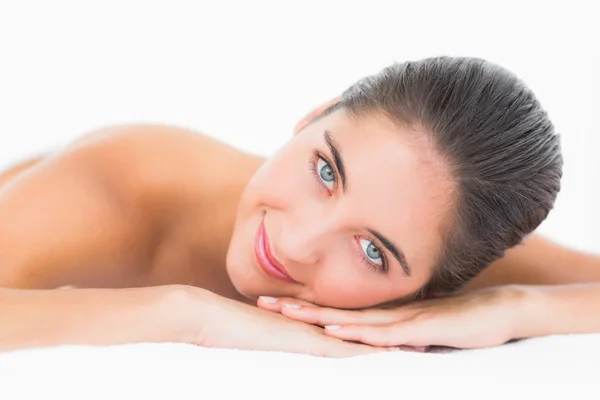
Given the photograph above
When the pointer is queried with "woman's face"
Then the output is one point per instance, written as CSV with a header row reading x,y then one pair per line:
x,y
351,211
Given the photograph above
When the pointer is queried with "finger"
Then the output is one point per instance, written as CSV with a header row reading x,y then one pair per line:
x,y
412,349
275,303
398,334
346,349
331,316
350,350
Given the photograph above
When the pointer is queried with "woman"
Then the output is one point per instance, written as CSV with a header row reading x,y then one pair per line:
x,y
369,222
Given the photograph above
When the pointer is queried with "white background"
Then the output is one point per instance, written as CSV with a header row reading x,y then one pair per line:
x,y
246,71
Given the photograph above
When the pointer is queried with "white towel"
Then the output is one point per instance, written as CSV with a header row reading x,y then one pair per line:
x,y
557,366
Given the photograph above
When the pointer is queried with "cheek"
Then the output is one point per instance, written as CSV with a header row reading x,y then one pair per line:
x,y
346,285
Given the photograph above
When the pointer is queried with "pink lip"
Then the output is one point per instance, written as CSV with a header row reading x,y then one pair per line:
x,y
265,259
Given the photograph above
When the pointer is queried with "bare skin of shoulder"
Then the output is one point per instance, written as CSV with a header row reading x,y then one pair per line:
x,y
148,194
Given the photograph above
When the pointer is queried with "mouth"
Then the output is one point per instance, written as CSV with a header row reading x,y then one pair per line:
x,y
269,264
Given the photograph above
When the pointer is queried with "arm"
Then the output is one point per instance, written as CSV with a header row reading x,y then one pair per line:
x,y
37,318
478,319
555,310
539,261
559,287
175,313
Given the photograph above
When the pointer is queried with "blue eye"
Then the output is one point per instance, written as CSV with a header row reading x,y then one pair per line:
x,y
326,173
371,251
322,171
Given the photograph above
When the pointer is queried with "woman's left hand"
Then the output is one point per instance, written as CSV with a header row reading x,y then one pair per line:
x,y
478,319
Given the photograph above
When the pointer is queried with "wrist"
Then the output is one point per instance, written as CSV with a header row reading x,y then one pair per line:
x,y
561,309
514,308
170,310
182,308
530,307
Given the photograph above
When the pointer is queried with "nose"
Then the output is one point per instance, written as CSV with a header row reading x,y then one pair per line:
x,y
305,241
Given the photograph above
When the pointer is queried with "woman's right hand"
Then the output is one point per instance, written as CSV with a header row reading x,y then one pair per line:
x,y
219,322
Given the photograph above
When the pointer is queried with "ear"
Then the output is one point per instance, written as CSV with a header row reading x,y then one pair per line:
x,y
314,114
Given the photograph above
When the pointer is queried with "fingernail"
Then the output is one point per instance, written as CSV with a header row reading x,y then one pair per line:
x,y
269,300
394,349
332,327
292,306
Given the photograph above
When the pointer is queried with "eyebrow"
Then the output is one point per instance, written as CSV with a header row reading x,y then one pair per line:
x,y
398,255
334,147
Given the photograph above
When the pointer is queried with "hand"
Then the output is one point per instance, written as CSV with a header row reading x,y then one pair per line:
x,y
223,323
473,320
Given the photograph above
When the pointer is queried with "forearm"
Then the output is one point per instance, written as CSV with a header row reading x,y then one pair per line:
x,y
539,261
560,309
35,318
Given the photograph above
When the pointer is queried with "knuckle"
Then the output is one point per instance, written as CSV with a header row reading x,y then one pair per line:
x,y
398,314
289,300
422,316
315,316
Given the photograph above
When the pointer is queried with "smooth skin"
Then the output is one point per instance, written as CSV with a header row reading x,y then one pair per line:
x,y
153,227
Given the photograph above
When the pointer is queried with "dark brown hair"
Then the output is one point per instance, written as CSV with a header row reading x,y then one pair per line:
x,y
497,140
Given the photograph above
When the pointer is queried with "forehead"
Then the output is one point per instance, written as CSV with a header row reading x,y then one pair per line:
x,y
397,184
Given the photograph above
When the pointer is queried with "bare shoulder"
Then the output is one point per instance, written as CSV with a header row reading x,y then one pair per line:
x,y
137,158
97,207
153,162
146,151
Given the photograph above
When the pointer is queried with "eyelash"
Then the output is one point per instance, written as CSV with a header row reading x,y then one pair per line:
x,y
383,268
313,167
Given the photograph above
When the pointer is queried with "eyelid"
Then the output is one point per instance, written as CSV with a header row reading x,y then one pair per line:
x,y
318,154
327,160
384,267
